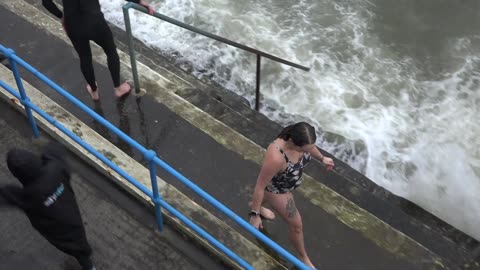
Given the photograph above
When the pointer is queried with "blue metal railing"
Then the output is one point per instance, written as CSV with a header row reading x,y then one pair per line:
x,y
149,155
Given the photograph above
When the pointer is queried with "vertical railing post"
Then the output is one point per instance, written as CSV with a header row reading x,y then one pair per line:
x,y
149,157
24,99
131,48
257,92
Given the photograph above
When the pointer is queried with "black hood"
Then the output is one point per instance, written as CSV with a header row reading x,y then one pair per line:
x,y
24,165
54,151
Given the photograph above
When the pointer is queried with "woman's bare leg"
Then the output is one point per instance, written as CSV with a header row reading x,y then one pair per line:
x,y
284,205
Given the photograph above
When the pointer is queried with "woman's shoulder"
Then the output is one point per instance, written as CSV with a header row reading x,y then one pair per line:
x,y
274,153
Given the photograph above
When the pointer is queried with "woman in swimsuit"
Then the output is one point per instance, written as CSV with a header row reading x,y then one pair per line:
x,y
280,174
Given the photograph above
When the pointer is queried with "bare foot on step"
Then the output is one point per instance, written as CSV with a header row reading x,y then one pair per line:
x,y
307,262
123,89
93,94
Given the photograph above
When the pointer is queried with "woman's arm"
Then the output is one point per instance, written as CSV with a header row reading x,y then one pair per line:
x,y
272,164
325,160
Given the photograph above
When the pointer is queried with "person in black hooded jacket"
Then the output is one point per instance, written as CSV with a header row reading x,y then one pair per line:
x,y
83,21
48,199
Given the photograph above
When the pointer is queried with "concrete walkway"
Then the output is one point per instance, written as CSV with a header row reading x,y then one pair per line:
x,y
337,237
121,231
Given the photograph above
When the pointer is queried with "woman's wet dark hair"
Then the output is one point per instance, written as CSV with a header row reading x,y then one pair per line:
x,y
301,134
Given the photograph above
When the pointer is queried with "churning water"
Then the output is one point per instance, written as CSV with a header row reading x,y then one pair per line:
x,y
394,84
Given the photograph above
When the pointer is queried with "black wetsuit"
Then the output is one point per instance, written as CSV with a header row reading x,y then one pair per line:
x,y
84,21
48,199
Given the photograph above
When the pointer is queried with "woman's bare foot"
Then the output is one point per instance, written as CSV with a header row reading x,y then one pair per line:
x,y
93,94
265,212
307,262
123,89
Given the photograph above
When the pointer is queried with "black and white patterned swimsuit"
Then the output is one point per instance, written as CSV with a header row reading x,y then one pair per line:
x,y
291,178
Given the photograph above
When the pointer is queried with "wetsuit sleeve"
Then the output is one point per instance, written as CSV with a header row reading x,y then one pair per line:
x,y
13,195
52,8
134,1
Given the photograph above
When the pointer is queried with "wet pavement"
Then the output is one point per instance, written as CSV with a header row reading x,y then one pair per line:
x,y
223,173
121,231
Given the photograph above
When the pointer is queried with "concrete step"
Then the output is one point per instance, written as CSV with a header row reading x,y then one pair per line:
x,y
354,206
111,217
215,226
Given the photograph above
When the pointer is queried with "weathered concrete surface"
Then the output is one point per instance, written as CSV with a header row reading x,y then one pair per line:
x,y
347,231
169,193
121,231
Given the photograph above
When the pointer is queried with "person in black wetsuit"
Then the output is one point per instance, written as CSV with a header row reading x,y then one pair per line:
x,y
84,21
48,200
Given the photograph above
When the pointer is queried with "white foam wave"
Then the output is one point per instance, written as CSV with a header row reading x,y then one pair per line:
x,y
421,136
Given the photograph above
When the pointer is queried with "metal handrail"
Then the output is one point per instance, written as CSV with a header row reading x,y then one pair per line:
x,y
149,155
160,16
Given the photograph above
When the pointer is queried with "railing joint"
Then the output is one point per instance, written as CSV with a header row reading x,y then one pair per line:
x,y
149,155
